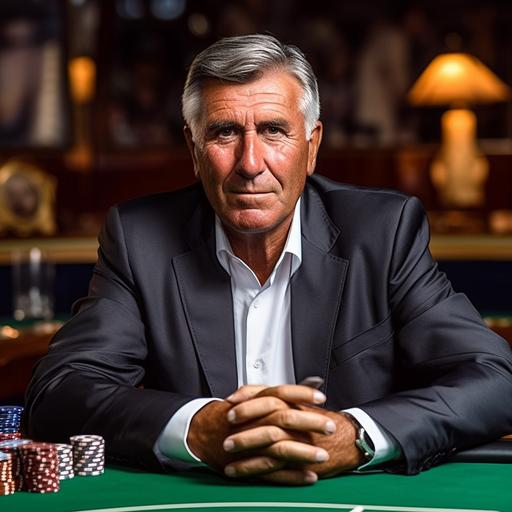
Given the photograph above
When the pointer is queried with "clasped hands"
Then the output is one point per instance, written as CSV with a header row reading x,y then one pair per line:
x,y
277,434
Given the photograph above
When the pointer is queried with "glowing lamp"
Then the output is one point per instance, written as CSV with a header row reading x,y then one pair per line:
x,y
460,169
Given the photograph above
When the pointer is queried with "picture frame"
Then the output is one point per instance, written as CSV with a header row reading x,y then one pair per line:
x,y
27,200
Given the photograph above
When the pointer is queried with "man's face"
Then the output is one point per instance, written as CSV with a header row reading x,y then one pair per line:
x,y
251,152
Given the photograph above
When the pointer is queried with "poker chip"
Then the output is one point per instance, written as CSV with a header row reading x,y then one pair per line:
x,y
10,418
40,467
88,455
12,447
7,482
9,436
65,456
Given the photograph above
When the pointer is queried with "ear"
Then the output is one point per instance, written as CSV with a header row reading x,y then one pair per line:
x,y
313,145
192,148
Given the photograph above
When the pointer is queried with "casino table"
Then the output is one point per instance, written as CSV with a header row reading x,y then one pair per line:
x,y
447,488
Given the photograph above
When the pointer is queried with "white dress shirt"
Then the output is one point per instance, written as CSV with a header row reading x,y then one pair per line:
x,y
263,342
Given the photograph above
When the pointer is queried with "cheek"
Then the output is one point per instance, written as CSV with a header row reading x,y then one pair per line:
x,y
289,165
216,164
219,156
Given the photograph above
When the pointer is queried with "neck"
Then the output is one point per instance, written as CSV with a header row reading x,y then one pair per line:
x,y
260,251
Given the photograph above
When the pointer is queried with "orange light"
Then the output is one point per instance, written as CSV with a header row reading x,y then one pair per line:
x,y
82,78
457,78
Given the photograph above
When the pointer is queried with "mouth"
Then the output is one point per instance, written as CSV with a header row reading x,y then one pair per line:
x,y
249,193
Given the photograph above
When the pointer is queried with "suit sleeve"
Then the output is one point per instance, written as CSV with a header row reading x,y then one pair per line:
x,y
457,372
90,380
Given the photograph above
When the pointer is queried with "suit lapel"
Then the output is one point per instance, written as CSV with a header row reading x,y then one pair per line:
x,y
205,290
316,290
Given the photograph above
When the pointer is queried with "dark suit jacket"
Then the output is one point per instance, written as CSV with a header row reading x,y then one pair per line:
x,y
370,313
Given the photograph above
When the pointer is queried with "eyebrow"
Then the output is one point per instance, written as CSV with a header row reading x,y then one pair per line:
x,y
220,125
272,123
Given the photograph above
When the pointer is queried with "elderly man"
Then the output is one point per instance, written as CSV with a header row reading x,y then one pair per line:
x,y
257,278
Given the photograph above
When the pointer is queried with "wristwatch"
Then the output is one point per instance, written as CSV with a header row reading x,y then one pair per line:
x,y
363,441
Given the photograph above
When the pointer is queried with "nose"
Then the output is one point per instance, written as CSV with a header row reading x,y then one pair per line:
x,y
251,158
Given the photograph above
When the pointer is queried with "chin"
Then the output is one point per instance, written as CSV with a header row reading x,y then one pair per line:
x,y
251,222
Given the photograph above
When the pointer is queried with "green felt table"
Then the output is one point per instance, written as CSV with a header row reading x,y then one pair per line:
x,y
452,486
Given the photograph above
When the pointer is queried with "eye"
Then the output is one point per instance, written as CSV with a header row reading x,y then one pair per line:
x,y
273,130
226,132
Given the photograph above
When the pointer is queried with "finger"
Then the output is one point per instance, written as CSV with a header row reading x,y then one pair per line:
x,y
291,477
259,437
245,393
254,466
295,393
289,419
255,408
293,451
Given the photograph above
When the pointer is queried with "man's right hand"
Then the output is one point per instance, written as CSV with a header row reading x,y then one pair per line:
x,y
208,429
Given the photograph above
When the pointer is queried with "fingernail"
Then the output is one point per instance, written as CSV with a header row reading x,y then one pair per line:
x,y
228,445
319,397
231,415
321,456
229,471
330,427
310,477
230,397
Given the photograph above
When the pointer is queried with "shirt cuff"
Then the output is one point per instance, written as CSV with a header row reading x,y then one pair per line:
x,y
386,446
172,442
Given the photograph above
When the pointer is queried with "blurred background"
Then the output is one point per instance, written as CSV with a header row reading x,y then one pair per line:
x,y
90,116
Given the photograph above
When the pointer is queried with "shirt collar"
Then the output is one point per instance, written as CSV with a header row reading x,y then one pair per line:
x,y
293,245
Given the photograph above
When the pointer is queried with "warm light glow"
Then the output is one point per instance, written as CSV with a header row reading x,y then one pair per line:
x,y
457,78
451,69
82,78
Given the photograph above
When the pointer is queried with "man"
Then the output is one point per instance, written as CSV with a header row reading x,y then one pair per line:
x,y
258,278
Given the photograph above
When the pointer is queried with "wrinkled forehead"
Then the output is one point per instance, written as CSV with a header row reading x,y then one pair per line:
x,y
277,90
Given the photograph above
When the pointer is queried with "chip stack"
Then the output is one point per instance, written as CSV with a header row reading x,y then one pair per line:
x,y
65,455
88,455
40,467
7,483
10,419
12,447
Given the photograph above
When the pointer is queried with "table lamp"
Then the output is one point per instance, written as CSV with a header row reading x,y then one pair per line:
x,y
460,169
82,81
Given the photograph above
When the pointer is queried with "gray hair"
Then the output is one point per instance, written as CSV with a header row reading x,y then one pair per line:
x,y
243,59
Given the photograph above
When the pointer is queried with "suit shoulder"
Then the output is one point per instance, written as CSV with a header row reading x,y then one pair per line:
x,y
346,199
175,204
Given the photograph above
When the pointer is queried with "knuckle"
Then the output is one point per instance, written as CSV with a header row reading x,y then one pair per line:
x,y
269,463
280,390
274,402
289,418
280,450
275,434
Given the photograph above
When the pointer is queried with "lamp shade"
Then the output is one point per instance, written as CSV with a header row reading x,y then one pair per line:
x,y
457,78
82,76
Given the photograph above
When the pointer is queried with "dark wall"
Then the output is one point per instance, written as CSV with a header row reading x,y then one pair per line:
x,y
486,283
